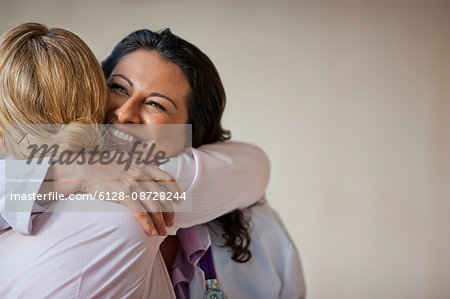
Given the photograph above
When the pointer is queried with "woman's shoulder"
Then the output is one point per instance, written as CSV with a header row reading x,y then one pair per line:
x,y
266,225
267,231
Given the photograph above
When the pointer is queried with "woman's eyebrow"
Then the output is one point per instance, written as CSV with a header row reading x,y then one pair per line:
x,y
123,77
157,94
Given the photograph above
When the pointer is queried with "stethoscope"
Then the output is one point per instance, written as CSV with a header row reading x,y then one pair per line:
x,y
206,263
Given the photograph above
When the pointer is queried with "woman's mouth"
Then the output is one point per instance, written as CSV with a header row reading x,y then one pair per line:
x,y
121,135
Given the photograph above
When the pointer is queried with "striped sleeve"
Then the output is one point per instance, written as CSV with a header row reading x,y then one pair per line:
x,y
228,175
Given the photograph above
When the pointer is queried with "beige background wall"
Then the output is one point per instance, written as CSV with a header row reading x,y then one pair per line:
x,y
351,101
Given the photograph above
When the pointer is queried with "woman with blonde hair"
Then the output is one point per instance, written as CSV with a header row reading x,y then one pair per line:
x,y
50,76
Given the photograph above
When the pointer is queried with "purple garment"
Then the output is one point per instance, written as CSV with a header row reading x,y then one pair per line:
x,y
192,248
37,208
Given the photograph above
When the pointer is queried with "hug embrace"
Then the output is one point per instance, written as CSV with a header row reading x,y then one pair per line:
x,y
224,242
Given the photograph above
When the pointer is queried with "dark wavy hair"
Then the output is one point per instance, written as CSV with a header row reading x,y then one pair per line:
x,y
206,104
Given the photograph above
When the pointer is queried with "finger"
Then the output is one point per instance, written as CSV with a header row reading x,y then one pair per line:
x,y
168,213
165,179
159,196
157,218
140,213
168,182
158,221
169,218
165,201
152,205
144,221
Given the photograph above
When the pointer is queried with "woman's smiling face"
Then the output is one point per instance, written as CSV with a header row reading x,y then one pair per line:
x,y
147,89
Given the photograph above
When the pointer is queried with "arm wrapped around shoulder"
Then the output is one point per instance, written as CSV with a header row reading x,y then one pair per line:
x,y
229,175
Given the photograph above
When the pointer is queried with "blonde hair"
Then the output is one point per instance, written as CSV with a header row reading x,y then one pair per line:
x,y
48,76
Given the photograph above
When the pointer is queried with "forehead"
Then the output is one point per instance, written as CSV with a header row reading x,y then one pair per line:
x,y
148,70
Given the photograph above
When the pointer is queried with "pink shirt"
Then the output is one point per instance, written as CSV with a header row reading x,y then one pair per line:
x,y
226,176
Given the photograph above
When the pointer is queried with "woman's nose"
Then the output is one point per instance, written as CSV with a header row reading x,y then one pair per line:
x,y
129,112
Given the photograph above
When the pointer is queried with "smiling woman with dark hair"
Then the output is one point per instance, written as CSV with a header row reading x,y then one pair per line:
x,y
202,102
143,71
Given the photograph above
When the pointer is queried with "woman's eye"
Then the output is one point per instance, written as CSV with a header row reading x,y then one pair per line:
x,y
157,105
118,89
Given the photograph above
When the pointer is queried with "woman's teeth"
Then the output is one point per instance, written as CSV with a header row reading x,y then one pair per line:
x,y
121,135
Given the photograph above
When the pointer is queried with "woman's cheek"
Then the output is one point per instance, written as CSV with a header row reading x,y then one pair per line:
x,y
151,118
113,103
169,139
